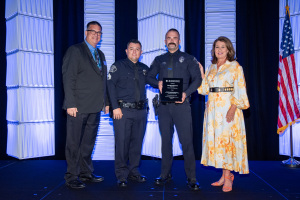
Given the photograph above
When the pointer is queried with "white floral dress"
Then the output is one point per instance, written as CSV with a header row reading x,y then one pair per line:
x,y
224,144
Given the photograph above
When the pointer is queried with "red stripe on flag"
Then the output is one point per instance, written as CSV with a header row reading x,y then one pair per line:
x,y
284,90
279,122
296,85
283,113
278,82
294,71
291,83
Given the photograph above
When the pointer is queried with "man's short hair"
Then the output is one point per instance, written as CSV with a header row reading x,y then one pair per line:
x,y
135,41
93,23
173,29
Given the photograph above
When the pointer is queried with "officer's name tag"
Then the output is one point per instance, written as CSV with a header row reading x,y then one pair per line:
x,y
172,90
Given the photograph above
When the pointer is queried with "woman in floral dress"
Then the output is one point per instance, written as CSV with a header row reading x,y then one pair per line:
x,y
224,136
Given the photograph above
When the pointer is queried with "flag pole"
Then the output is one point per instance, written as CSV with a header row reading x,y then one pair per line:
x,y
291,162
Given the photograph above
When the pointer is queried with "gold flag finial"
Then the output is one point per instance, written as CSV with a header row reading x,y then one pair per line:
x,y
287,8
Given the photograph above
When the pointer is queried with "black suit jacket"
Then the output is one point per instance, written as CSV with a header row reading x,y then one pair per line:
x,y
84,83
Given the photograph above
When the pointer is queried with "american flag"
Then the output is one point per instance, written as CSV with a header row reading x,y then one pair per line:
x,y
288,109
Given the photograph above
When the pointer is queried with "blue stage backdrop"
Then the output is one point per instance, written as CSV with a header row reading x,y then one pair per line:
x,y
3,96
257,51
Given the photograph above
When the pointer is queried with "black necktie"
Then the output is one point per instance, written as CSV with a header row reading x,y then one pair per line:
x,y
97,59
137,82
170,66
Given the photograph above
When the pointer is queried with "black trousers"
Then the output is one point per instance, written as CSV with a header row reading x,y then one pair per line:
x,y
81,137
129,135
180,116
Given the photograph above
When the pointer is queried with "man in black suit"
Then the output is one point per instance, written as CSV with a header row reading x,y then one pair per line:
x,y
84,77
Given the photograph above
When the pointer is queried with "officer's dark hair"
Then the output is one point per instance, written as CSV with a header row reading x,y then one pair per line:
x,y
93,23
229,46
135,41
173,29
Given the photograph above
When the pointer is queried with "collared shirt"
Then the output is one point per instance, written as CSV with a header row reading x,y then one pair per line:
x,y
91,48
184,66
121,81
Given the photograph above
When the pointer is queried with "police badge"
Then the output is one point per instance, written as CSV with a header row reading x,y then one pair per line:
x,y
144,72
181,59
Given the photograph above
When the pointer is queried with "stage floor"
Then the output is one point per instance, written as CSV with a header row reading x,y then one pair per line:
x,y
43,179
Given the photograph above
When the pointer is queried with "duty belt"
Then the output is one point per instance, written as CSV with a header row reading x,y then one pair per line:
x,y
221,89
135,105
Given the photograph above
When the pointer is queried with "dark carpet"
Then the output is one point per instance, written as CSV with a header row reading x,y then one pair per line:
x,y
43,179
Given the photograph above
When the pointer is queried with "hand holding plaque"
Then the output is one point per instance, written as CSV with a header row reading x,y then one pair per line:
x,y
172,90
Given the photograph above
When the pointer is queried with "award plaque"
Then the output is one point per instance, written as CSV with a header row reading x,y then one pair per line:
x,y
172,90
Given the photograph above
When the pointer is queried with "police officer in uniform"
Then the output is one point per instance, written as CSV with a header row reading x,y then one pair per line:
x,y
176,64
126,87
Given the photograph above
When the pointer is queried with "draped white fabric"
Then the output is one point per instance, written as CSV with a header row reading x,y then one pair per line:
x,y
147,8
30,69
105,142
30,104
220,20
284,139
155,18
104,12
29,33
153,30
40,8
30,78
30,140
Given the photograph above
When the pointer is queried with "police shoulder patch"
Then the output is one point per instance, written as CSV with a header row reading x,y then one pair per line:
x,y
113,69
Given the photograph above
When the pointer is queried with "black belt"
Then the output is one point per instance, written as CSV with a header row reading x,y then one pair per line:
x,y
135,105
221,89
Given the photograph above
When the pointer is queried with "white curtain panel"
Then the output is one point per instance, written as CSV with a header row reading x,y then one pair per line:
x,y
284,138
30,140
105,142
219,15
30,69
30,104
29,33
30,78
155,18
104,12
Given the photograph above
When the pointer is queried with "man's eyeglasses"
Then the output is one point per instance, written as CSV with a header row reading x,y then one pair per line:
x,y
95,32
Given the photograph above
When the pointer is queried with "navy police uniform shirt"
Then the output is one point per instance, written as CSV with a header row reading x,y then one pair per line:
x,y
121,82
182,65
